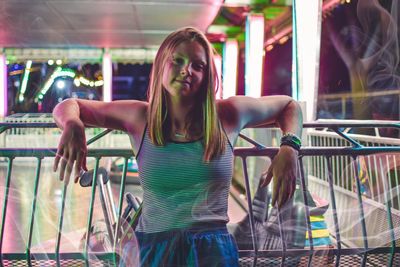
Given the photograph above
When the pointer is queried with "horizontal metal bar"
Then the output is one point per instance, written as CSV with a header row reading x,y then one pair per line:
x,y
317,151
51,152
28,125
239,151
315,124
351,124
317,252
63,256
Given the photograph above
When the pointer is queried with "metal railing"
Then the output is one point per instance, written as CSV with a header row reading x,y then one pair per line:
x,y
374,168
386,254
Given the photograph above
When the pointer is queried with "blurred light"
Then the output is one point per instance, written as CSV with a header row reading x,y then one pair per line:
x,y
25,79
84,81
58,72
229,72
98,83
7,62
74,95
77,82
91,96
3,86
107,77
40,96
59,99
58,61
50,62
60,84
306,48
283,39
218,65
270,47
237,2
17,83
91,83
254,37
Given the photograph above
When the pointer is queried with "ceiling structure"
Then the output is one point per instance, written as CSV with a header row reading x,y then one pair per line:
x,y
29,28
99,23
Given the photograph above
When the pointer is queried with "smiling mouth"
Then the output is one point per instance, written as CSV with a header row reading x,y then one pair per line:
x,y
183,82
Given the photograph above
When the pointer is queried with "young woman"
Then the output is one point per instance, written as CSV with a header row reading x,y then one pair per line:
x,y
183,141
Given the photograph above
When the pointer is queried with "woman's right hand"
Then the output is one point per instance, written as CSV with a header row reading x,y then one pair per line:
x,y
71,150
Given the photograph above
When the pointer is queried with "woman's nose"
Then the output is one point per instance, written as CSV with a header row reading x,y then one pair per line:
x,y
186,70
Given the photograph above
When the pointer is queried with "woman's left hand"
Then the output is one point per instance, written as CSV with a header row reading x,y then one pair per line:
x,y
284,169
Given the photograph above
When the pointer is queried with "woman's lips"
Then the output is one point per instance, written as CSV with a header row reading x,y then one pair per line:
x,y
183,82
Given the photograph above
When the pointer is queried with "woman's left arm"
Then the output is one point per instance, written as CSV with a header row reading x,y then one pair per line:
x,y
286,114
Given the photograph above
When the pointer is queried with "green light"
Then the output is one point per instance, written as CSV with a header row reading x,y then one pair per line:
x,y
58,72
25,80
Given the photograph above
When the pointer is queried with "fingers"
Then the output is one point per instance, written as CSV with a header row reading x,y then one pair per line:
x,y
80,165
63,164
276,189
57,158
293,183
283,193
84,166
70,164
283,190
268,177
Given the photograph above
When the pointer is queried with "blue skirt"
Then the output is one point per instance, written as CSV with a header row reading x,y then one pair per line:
x,y
208,246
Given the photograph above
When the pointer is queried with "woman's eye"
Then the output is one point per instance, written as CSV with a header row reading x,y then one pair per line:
x,y
177,60
198,66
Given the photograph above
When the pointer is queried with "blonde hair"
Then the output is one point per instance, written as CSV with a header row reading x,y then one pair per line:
x,y
214,140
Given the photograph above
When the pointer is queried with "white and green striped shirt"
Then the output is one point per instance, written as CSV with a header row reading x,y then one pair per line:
x,y
180,189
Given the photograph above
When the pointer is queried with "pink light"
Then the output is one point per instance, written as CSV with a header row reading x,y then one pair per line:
x,y
107,77
3,86
218,65
230,58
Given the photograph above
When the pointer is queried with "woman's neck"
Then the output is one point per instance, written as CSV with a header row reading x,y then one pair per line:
x,y
178,111
182,128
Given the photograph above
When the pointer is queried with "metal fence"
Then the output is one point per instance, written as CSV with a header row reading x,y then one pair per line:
x,y
349,229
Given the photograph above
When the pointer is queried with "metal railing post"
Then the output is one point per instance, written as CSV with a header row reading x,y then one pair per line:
x,y
92,200
33,210
5,202
250,205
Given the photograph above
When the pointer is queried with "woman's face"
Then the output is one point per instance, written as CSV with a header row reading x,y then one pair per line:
x,y
185,69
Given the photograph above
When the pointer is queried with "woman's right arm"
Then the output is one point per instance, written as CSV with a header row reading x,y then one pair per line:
x,y
72,115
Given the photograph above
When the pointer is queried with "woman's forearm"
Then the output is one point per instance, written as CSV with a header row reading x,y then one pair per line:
x,y
291,119
67,112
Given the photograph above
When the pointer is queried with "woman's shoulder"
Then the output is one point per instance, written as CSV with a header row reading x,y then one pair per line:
x,y
134,113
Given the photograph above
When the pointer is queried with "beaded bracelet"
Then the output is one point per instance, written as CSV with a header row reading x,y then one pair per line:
x,y
291,140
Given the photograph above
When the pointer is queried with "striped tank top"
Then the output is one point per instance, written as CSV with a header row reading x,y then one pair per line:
x,y
179,188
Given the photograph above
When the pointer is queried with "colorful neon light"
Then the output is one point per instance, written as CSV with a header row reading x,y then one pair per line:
x,y
229,71
254,51
306,49
3,86
58,72
25,79
107,77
